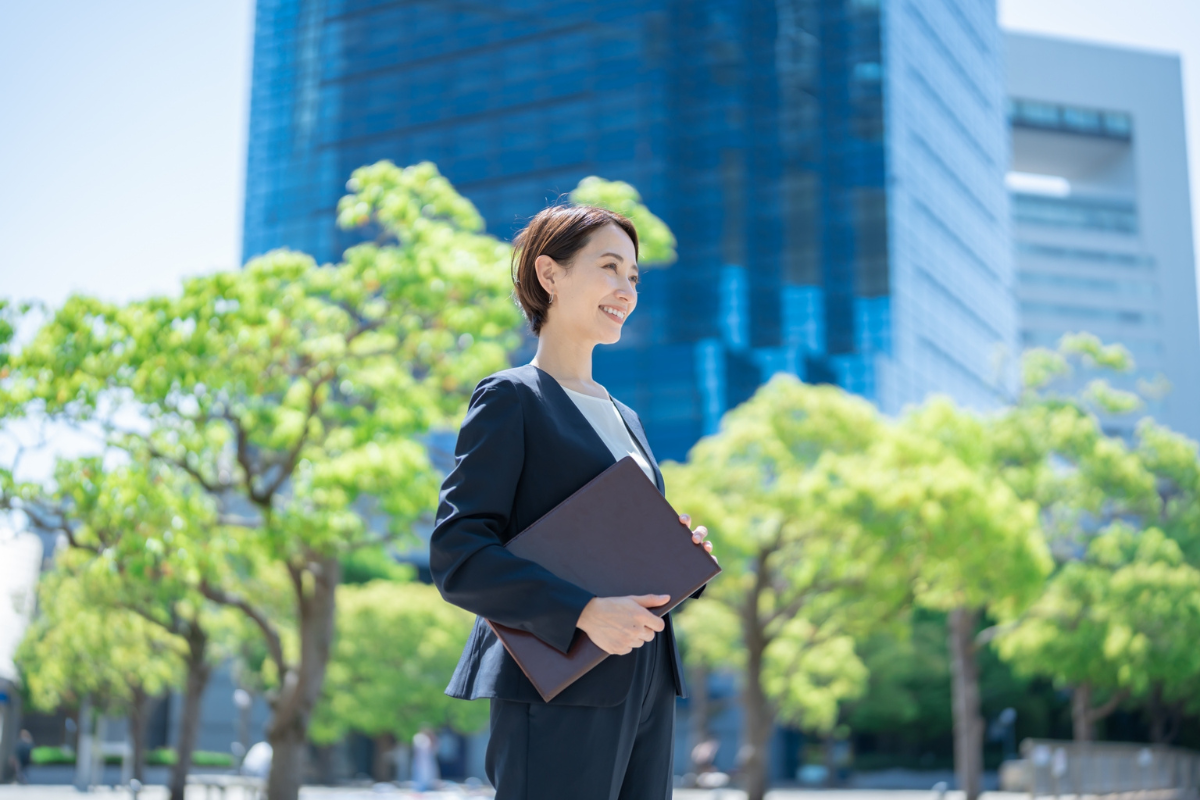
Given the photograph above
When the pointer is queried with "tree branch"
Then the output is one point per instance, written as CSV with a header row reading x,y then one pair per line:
x,y
1101,711
211,488
243,457
289,462
297,576
174,627
61,526
274,643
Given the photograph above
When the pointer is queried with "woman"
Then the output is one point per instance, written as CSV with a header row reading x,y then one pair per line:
x,y
532,436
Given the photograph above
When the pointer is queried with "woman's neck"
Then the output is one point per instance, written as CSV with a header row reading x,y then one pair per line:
x,y
569,363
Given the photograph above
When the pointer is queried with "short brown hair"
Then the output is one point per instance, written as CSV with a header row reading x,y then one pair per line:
x,y
559,232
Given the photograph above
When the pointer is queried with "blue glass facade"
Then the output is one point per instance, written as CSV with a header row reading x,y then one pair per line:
x,y
829,167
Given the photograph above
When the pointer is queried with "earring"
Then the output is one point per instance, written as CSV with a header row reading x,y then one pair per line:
x,y
551,299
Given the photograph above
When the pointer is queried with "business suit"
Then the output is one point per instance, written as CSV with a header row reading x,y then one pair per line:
x,y
523,448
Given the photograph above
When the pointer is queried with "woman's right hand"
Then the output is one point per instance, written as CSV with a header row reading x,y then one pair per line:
x,y
619,624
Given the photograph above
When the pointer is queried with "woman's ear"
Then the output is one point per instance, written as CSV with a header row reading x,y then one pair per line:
x,y
546,269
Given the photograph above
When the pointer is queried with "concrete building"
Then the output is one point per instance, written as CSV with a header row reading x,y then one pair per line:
x,y
1102,218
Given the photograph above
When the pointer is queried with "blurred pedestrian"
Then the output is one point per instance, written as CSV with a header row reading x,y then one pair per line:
x,y
23,753
425,772
257,762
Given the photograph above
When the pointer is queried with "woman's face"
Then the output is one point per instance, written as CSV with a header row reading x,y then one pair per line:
x,y
597,294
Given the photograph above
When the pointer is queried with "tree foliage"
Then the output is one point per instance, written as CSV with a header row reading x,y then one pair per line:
x,y
656,242
80,645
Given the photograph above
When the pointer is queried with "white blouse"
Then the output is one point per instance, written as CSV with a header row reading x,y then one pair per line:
x,y
602,412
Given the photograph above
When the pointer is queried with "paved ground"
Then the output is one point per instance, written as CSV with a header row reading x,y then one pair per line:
x,y
12,792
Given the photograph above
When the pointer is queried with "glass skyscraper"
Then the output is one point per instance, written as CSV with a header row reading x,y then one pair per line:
x,y
833,170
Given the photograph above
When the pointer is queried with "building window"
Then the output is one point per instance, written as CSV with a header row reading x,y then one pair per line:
x,y
1122,316
1070,119
1133,288
1115,216
1130,260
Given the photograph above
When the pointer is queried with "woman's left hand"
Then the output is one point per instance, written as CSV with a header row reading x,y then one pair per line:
x,y
698,535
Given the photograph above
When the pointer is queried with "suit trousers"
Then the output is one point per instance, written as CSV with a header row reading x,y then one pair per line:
x,y
625,752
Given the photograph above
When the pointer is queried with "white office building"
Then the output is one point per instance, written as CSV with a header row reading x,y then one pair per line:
x,y
1102,223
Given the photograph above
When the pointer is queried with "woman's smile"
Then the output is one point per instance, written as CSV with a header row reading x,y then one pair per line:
x,y
613,313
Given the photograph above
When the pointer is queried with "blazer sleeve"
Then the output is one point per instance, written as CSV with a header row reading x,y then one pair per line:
x,y
470,565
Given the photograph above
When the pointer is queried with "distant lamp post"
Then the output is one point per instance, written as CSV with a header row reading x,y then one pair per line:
x,y
243,701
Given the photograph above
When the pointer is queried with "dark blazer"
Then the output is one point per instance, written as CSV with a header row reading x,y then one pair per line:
x,y
523,448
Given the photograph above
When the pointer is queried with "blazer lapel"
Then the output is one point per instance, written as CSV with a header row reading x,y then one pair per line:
x,y
635,427
579,422
584,428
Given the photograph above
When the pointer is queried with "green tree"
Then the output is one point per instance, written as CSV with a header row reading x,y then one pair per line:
x,y
81,647
972,545
295,398
1052,450
1120,621
1173,461
138,536
389,687
798,580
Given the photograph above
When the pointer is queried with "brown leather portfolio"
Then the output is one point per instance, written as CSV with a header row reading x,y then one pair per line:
x,y
615,536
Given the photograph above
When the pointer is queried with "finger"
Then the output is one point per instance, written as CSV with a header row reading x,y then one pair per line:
x,y
651,600
653,622
708,547
686,519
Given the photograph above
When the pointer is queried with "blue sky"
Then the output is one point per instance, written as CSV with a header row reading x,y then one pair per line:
x,y
123,145
122,151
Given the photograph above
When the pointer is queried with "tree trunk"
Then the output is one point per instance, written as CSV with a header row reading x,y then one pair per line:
x,y
293,707
138,714
383,767
968,720
1157,717
759,719
198,673
1081,713
1164,718
85,741
1084,715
